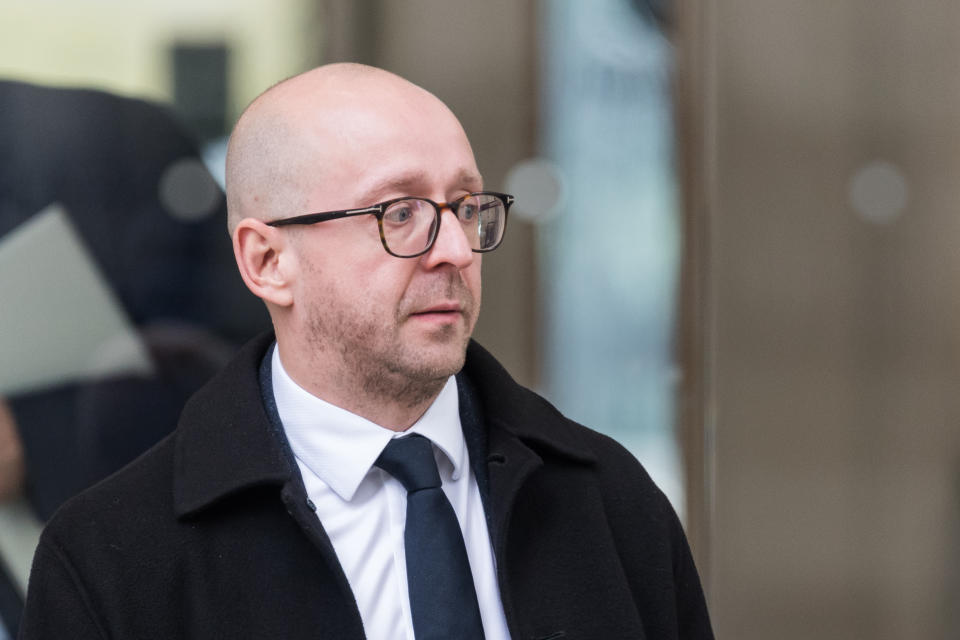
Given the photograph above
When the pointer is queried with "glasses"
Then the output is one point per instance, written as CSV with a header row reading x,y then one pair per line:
x,y
409,226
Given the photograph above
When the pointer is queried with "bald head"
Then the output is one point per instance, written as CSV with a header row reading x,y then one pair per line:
x,y
287,144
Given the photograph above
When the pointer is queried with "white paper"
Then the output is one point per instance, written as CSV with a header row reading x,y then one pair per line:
x,y
60,321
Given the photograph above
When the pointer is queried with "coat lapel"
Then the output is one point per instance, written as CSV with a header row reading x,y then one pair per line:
x,y
223,443
230,439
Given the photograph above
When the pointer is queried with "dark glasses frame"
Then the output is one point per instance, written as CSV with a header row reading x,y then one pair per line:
x,y
379,210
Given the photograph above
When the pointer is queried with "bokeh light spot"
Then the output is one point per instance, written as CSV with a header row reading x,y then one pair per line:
x,y
188,191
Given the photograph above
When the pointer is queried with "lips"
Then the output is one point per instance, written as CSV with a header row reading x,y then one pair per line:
x,y
446,308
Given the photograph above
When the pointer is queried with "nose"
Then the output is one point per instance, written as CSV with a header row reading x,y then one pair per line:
x,y
451,245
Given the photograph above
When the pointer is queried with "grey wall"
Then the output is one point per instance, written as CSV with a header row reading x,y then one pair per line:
x,y
833,340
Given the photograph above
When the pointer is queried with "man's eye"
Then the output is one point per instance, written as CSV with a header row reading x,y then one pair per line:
x,y
399,214
467,211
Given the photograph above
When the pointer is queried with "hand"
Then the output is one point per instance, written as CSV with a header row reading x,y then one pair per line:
x,y
12,466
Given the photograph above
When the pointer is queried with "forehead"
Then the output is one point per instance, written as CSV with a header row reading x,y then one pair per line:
x,y
391,147
374,187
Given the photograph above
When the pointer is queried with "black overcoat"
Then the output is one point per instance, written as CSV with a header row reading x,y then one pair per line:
x,y
210,533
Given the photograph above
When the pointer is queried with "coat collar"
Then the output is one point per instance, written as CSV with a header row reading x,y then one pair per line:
x,y
225,441
521,413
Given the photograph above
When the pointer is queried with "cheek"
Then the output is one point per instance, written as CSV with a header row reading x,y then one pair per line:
x,y
472,276
374,288
346,255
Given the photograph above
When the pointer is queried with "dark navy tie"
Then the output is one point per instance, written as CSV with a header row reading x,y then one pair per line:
x,y
443,600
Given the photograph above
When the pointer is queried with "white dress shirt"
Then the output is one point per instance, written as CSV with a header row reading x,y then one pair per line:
x,y
363,508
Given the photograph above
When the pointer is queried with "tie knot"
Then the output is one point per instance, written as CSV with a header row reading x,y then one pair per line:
x,y
410,460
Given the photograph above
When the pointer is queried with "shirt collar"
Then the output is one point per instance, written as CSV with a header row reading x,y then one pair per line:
x,y
340,447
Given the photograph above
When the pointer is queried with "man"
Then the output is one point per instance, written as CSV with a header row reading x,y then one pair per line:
x,y
300,496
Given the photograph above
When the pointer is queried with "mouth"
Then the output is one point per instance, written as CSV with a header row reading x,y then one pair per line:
x,y
443,312
451,308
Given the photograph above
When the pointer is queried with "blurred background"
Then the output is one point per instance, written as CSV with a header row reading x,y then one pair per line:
x,y
733,250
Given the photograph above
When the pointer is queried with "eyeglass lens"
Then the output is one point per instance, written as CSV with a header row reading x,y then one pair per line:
x,y
409,226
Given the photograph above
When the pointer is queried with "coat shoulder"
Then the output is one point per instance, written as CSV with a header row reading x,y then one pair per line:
x,y
97,529
85,549
123,497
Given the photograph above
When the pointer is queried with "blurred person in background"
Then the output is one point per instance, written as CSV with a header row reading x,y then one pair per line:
x,y
366,470
128,179
131,182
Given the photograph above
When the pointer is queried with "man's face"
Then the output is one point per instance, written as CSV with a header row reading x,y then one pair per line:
x,y
391,323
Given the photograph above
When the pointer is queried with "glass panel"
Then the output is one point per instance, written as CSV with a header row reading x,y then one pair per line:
x,y
610,259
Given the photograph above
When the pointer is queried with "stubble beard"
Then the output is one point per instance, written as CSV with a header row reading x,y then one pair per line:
x,y
379,362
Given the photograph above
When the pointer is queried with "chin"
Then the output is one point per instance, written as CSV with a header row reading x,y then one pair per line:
x,y
445,366
440,361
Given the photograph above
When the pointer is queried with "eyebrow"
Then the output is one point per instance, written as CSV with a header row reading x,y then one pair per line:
x,y
409,183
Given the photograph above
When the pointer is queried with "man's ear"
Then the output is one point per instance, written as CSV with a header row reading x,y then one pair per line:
x,y
264,258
